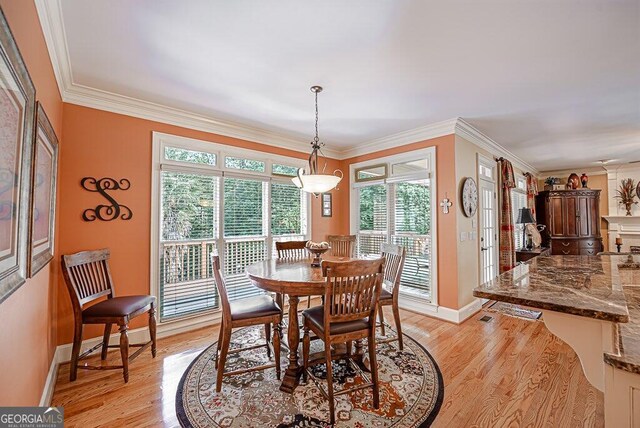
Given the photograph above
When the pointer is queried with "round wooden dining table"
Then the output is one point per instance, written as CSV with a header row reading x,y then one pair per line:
x,y
296,278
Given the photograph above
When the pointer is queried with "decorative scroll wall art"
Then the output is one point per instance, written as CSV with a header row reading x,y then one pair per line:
x,y
111,211
17,110
43,199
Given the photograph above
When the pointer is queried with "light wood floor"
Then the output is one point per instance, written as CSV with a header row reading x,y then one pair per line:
x,y
507,372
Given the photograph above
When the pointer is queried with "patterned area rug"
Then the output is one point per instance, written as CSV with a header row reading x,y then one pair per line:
x,y
515,311
411,390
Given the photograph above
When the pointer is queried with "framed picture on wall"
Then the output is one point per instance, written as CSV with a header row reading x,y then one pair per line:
x,y
17,109
43,189
327,205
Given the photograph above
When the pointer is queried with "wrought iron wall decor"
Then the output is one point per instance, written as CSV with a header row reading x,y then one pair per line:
x,y
106,212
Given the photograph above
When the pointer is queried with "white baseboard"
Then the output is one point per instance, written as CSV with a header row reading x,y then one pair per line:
x,y
139,335
456,316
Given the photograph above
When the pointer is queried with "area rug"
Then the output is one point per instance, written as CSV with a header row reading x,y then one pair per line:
x,y
411,390
515,311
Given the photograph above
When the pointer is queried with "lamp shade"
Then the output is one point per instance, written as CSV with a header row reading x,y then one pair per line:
x,y
525,216
316,183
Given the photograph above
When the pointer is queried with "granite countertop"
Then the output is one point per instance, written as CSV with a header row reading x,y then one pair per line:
x,y
629,333
579,285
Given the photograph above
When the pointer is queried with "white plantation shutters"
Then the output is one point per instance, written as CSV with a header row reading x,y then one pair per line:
x,y
373,219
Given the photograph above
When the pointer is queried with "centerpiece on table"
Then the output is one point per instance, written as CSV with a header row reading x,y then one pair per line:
x,y
627,194
317,249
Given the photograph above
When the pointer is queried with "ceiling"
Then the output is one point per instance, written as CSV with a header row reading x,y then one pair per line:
x,y
555,82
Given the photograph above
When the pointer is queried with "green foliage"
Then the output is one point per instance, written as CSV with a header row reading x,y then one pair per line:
x,y
188,206
242,207
373,207
192,156
285,209
246,164
412,208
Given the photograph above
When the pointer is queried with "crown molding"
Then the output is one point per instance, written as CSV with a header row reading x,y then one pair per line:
x,y
473,135
434,130
589,170
52,23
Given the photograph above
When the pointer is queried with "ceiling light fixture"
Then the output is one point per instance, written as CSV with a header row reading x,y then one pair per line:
x,y
316,181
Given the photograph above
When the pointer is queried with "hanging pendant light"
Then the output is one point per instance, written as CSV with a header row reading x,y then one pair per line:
x,y
316,181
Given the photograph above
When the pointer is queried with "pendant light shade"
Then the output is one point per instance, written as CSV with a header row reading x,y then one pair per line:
x,y
314,181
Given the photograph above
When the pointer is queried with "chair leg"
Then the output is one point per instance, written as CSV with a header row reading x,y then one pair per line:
x,y
105,341
124,351
327,357
267,335
306,344
308,302
219,344
396,317
381,318
152,329
75,351
226,338
276,347
371,344
349,344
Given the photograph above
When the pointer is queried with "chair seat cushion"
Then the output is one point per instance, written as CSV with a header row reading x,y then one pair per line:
x,y
316,316
254,307
385,295
118,306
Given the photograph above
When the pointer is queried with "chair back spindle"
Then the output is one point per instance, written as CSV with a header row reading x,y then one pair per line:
x,y
342,245
87,276
352,290
222,287
292,250
394,256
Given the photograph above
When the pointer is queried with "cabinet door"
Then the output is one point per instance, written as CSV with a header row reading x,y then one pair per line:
x,y
571,221
594,217
556,216
583,216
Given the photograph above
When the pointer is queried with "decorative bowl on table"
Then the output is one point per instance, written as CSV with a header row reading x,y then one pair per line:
x,y
317,249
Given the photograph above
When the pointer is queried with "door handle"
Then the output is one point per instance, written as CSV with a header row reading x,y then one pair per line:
x,y
566,252
566,244
483,248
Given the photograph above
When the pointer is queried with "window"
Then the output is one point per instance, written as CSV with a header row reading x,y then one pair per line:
x,y
246,164
202,208
370,173
399,210
518,200
192,156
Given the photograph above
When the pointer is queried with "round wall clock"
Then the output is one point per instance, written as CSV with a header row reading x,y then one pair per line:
x,y
469,197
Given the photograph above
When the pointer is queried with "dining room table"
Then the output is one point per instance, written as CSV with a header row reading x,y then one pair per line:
x,y
294,278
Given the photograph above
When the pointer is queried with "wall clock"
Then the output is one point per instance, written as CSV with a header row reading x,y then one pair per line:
x,y
469,197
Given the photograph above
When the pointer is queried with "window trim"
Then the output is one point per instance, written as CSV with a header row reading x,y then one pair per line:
x,y
519,191
161,140
428,153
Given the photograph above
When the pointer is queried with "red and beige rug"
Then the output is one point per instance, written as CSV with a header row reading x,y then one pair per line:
x,y
411,390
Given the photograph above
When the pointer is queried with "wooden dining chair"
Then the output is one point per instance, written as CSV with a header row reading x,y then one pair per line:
x,y
243,313
88,278
349,313
342,245
394,256
296,250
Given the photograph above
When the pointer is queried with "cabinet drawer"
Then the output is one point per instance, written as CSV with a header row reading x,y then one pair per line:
x,y
565,247
588,251
592,244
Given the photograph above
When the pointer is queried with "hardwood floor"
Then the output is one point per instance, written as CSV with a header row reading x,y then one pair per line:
x,y
506,372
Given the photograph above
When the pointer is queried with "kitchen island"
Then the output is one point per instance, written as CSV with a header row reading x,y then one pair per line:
x,y
592,304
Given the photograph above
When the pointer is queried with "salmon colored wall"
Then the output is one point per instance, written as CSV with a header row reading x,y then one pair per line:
x,y
27,317
446,183
103,144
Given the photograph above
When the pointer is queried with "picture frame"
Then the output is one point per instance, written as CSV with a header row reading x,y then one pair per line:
x,y
17,122
327,205
43,193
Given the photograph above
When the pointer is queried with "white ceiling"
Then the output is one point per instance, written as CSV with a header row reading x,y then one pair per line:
x,y
555,82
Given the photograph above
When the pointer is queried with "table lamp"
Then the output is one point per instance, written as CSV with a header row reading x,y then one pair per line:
x,y
525,217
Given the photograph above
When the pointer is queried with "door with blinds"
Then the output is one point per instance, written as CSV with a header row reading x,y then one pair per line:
x,y
210,202
398,210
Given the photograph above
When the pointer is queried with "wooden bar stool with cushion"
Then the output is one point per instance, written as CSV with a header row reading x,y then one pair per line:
x,y
243,313
348,314
88,278
394,256
296,250
342,245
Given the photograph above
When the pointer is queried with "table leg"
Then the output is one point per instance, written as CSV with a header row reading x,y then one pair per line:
x,y
293,372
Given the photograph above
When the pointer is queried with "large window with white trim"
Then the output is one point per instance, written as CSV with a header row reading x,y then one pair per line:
x,y
399,209
209,199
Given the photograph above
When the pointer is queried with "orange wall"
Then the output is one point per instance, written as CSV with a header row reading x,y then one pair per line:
x,y
103,144
27,318
446,183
